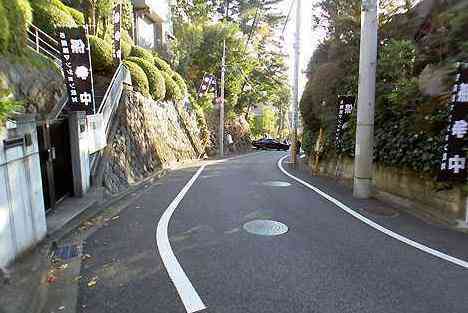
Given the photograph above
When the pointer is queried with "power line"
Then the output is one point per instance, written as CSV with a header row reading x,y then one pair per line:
x,y
289,16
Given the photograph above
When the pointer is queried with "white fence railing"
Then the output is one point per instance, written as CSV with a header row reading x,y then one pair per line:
x,y
43,44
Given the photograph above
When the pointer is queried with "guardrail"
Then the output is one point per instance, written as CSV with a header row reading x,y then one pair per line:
x,y
43,44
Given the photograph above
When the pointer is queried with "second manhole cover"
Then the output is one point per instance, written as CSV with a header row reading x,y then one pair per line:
x,y
266,228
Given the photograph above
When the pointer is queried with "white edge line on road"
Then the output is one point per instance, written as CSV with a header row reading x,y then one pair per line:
x,y
187,292
374,225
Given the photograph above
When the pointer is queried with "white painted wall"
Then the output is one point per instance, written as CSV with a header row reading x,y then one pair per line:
x,y
22,213
146,32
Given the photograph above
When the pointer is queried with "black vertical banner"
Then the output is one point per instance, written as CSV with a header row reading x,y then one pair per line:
x,y
453,166
117,19
77,70
345,110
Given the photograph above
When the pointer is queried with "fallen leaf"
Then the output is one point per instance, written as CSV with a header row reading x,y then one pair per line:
x,y
63,266
85,257
51,279
92,283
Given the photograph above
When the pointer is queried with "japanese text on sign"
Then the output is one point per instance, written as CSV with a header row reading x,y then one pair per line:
x,y
76,65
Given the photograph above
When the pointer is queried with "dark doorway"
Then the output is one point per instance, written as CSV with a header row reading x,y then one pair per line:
x,y
55,156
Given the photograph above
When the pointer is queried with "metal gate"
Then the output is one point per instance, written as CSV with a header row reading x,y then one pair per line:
x,y
55,156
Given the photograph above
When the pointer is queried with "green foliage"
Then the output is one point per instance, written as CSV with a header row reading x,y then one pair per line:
x,y
139,79
48,15
156,83
161,64
173,92
5,27
126,43
264,124
307,141
141,53
19,16
77,15
180,82
7,105
101,55
409,127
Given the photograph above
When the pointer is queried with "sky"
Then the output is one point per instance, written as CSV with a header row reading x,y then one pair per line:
x,y
309,37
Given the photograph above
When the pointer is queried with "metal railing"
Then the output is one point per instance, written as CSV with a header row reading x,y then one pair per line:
x,y
111,98
43,44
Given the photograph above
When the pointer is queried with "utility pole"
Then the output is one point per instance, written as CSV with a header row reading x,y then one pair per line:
x,y
295,109
221,103
366,100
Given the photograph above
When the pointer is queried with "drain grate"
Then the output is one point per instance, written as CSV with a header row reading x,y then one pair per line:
x,y
66,252
382,211
266,228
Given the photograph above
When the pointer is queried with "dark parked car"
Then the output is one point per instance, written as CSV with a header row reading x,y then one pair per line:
x,y
270,144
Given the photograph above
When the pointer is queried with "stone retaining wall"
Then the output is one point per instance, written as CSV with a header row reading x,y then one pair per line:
x,y
150,135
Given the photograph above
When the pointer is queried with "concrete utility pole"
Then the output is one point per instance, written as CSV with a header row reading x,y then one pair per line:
x,y
366,100
295,109
221,104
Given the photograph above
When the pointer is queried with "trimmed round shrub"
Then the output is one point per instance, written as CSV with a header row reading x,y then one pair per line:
x,y
181,82
141,53
5,27
157,85
19,16
161,64
126,43
139,79
101,55
48,15
77,15
172,89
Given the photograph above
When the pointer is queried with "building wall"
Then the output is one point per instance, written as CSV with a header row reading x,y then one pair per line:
x,y
22,213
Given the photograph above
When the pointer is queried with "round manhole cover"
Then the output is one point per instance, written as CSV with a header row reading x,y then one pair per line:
x,y
266,228
276,184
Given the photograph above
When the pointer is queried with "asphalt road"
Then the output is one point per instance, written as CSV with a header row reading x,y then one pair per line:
x,y
328,261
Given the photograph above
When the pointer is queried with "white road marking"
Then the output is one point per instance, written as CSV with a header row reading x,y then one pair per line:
x,y
187,292
374,225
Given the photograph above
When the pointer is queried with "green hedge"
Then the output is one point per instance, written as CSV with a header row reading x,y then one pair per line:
x,y
77,15
50,14
5,27
173,91
157,85
161,64
180,82
141,53
101,55
19,16
139,79
126,43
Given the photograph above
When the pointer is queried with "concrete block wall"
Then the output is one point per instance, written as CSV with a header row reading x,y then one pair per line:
x,y
22,213
405,188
